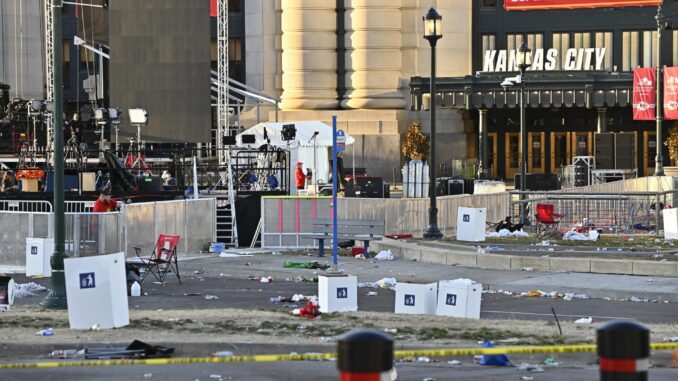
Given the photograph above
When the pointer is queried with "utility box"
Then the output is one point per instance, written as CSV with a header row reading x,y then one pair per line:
x,y
416,299
471,224
38,253
96,291
670,223
337,293
459,299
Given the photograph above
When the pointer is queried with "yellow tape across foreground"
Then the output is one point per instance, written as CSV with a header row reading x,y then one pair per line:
x,y
515,350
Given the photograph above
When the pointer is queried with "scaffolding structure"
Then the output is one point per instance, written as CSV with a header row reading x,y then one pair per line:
x,y
222,78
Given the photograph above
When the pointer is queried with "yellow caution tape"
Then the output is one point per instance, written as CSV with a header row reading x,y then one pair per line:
x,y
515,350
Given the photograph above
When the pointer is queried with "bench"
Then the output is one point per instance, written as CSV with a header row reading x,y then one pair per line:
x,y
362,230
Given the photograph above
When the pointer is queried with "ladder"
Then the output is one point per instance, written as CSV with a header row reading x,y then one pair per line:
x,y
226,224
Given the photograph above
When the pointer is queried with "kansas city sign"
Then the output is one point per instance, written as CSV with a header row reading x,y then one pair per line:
x,y
574,60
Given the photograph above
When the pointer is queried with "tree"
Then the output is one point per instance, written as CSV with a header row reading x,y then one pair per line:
x,y
672,143
415,146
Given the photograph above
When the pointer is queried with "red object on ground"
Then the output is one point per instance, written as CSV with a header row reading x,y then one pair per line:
x,y
399,236
357,250
310,311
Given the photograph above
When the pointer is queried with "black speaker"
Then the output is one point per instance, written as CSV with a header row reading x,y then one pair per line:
x,y
441,186
581,173
370,187
228,140
624,151
248,139
455,186
149,184
289,132
539,181
604,153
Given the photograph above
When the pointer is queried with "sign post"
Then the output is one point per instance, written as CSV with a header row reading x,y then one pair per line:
x,y
336,141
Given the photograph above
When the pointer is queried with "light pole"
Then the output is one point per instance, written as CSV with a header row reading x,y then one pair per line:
x,y
523,60
56,299
659,159
433,32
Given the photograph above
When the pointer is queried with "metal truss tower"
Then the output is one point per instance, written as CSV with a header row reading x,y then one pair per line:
x,y
222,78
49,68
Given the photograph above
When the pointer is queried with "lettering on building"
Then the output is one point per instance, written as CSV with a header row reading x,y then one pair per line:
x,y
574,60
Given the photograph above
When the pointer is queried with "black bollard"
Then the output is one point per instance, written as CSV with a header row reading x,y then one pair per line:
x,y
364,355
624,351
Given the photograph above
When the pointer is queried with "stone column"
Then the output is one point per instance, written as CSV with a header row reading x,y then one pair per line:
x,y
373,56
483,165
309,58
602,120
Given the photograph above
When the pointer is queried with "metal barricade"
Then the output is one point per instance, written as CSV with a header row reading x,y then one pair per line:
x,y
34,206
79,206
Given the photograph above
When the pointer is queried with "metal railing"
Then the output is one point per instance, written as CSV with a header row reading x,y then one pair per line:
x,y
35,206
620,213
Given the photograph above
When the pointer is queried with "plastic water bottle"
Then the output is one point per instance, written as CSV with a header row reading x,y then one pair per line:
x,y
135,290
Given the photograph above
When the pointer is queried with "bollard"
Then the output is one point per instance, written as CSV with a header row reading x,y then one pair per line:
x,y
364,355
624,351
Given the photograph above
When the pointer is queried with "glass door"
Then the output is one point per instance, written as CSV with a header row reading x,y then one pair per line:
x,y
492,153
650,145
582,143
561,151
512,151
535,153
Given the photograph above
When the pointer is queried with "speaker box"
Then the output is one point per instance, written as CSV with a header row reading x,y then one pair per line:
x,y
455,186
539,181
624,151
369,187
149,184
441,186
604,144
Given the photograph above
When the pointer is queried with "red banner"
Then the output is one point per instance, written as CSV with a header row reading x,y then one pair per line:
x,y
533,5
213,8
644,93
671,93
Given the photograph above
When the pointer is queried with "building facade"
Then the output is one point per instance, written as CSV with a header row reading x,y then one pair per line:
x,y
580,83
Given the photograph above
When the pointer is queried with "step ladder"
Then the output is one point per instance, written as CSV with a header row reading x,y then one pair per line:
x,y
226,224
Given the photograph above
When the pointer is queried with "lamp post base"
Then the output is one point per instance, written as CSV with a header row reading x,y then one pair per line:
x,y
56,299
432,232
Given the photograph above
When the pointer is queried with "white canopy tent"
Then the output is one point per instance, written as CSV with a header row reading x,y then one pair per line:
x,y
301,148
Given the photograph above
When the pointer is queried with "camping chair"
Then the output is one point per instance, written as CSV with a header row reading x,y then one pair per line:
x,y
547,220
163,259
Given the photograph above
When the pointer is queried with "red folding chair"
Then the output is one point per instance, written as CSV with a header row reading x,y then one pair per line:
x,y
162,260
547,219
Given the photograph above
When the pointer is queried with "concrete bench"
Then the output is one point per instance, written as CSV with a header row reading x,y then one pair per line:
x,y
362,230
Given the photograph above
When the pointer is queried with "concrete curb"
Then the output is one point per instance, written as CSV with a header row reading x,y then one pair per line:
x,y
464,256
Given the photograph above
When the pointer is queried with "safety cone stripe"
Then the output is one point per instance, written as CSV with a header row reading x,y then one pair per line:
x,y
354,376
624,365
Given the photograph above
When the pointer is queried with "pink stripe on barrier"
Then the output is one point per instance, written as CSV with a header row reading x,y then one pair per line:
x,y
280,214
314,208
296,215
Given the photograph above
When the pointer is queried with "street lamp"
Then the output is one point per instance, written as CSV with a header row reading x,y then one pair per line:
x,y
524,61
662,24
433,32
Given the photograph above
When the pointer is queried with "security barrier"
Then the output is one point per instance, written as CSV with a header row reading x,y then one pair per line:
x,y
89,233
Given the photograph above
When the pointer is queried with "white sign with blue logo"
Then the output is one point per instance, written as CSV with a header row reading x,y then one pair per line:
x,y
87,280
341,141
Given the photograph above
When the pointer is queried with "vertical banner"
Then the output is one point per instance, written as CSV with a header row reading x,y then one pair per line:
x,y
644,93
671,93
214,8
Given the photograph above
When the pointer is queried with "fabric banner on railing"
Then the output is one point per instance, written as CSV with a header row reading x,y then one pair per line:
x,y
671,93
644,94
526,5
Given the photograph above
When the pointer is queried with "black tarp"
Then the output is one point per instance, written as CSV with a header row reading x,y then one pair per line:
x,y
247,215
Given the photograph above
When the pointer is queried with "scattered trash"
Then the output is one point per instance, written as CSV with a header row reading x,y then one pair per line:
x,y
550,362
67,353
587,320
135,290
372,293
569,296
266,279
211,297
391,330
493,360
423,359
45,332
527,378
673,339
216,376
148,375
305,265
545,243
384,256
381,283
22,290
223,354
276,253
359,256
190,294
530,367
454,362
528,268
95,327
137,349
310,311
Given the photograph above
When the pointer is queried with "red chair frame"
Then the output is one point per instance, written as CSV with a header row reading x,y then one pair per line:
x,y
546,218
162,260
